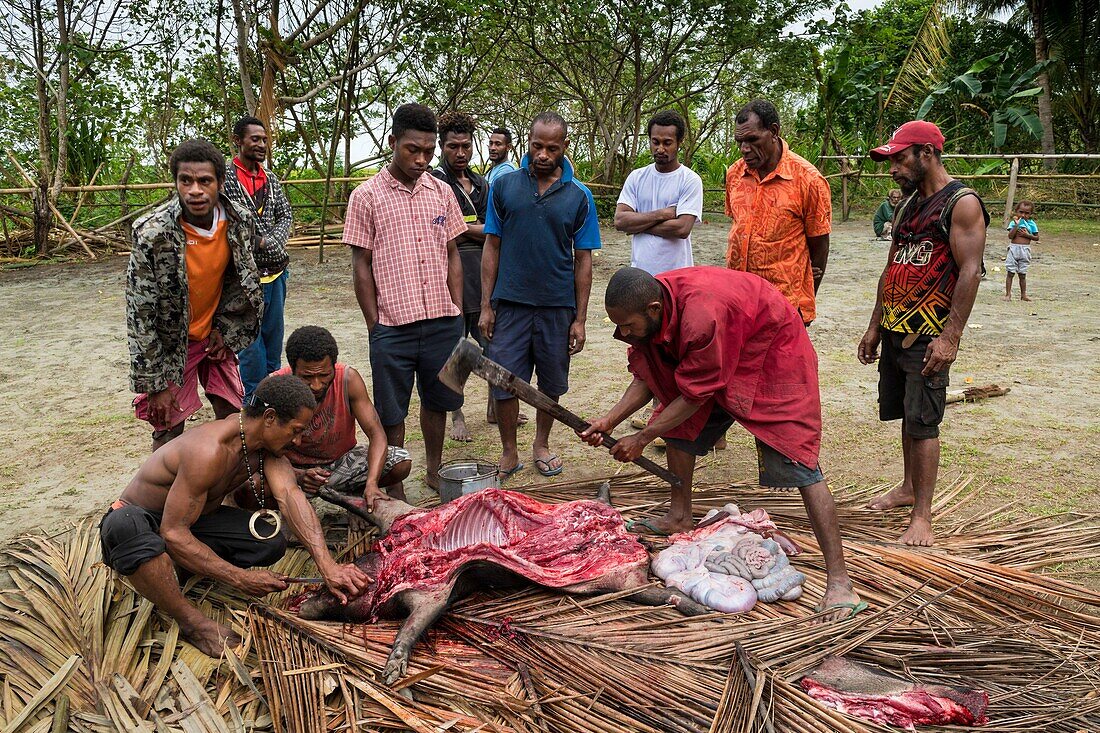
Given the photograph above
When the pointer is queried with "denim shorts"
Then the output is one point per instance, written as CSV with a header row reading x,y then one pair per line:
x,y
418,349
531,340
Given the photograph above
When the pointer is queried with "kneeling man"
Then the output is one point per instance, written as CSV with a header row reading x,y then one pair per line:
x,y
327,453
172,514
715,346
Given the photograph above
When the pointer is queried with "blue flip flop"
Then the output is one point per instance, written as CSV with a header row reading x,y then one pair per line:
x,y
505,475
539,463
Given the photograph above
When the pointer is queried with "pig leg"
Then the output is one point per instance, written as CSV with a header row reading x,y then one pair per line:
x,y
603,494
655,596
424,610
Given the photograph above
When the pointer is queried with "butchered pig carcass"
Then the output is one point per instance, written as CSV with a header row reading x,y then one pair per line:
x,y
426,559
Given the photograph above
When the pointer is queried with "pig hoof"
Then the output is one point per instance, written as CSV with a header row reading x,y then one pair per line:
x,y
396,666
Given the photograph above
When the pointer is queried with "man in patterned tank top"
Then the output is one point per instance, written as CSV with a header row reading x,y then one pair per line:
x,y
924,298
328,453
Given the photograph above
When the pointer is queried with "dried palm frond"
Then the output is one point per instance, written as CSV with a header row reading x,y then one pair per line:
x,y
969,612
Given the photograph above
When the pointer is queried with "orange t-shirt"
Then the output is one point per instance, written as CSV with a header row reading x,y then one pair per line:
x,y
207,257
772,218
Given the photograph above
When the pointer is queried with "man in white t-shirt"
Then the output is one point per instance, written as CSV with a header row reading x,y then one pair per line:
x,y
660,203
658,206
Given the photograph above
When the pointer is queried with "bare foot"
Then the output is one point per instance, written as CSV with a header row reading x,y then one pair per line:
x,y
211,638
840,601
898,496
397,491
721,444
1025,298
459,431
919,533
1007,298
665,525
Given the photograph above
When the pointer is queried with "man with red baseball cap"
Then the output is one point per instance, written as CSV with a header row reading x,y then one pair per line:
x,y
915,132
924,298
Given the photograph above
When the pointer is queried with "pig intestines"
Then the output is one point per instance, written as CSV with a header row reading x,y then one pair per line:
x,y
730,570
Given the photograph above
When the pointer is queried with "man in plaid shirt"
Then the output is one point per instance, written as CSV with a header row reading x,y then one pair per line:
x,y
403,228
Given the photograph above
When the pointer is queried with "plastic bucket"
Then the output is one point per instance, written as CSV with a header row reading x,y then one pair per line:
x,y
465,477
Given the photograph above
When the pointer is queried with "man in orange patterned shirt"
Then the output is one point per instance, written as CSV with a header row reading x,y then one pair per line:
x,y
781,210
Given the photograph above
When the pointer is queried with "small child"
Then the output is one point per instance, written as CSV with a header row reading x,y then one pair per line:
x,y
1022,232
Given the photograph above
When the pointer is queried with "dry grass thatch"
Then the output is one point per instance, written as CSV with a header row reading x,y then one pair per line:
x,y
76,644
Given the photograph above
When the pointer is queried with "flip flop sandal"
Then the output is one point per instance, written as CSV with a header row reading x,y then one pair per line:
x,y
505,475
647,527
854,607
547,471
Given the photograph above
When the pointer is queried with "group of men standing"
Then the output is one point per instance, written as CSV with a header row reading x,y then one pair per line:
x,y
506,258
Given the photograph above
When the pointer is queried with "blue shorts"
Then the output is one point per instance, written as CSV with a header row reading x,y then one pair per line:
x,y
530,339
418,349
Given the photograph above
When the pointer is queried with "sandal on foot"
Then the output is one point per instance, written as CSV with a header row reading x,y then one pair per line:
x,y
647,528
507,474
543,466
855,608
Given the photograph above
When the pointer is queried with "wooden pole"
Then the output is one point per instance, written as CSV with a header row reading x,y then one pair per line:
x,y
844,205
1010,199
56,213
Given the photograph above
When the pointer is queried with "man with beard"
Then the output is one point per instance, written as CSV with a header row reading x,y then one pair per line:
x,y
257,190
171,515
327,454
659,205
500,154
403,228
924,299
717,346
536,276
781,210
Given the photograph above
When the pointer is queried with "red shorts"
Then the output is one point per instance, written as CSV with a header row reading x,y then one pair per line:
x,y
219,378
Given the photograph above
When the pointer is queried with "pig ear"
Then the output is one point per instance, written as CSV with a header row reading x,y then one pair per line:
x,y
603,494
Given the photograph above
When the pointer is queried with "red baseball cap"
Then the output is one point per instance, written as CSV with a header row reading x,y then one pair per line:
x,y
915,132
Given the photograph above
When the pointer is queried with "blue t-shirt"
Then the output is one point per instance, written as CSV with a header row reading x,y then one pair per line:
x,y
538,235
1028,225
499,170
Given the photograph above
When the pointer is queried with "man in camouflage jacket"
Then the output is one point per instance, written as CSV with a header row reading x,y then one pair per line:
x,y
159,311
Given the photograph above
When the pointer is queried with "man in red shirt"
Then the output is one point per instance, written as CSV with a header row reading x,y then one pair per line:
x,y
717,346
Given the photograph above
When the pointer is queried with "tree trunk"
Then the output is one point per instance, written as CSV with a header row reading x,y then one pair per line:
x,y
1038,10
43,219
244,27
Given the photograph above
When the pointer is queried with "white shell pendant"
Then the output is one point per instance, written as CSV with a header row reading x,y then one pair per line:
x,y
269,514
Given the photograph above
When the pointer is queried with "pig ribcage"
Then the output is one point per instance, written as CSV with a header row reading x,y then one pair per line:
x,y
578,546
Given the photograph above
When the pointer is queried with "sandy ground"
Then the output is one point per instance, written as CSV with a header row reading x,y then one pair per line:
x,y
69,441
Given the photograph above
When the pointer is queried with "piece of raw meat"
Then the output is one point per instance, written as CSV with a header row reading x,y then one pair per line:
x,y
858,689
490,538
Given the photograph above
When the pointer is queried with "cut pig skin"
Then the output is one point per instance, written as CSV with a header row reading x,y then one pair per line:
x,y
863,691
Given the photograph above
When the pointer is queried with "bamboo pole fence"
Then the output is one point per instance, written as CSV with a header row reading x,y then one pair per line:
x,y
851,167
113,235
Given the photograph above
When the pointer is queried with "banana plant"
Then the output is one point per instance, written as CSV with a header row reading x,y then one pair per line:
x,y
1000,93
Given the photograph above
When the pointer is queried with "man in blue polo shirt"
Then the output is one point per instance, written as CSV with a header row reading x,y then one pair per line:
x,y
536,276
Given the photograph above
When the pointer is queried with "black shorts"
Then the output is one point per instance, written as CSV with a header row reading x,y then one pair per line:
x,y
418,349
130,537
716,426
906,394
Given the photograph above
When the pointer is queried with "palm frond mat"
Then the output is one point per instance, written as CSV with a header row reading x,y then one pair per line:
x,y
80,651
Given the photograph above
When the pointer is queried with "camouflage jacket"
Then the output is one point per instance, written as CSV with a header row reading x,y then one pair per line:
x,y
157,309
